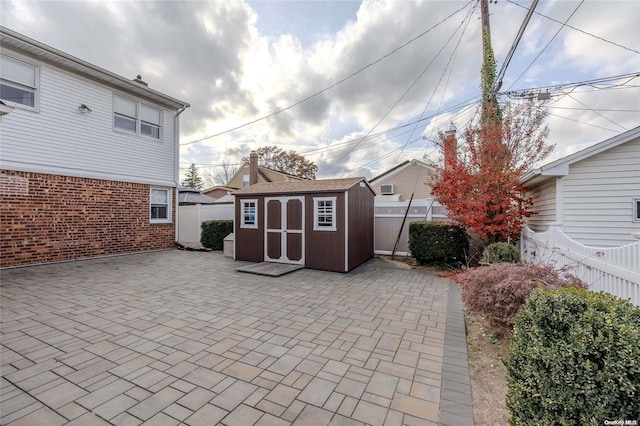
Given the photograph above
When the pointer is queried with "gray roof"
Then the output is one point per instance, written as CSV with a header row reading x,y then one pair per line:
x,y
193,196
306,186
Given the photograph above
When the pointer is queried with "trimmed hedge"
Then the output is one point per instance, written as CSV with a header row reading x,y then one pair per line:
x,y
214,232
438,244
574,359
499,253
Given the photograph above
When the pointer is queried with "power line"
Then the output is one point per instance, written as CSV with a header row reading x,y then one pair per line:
x,y
595,109
386,114
578,29
514,45
582,122
547,45
557,87
332,85
608,119
444,90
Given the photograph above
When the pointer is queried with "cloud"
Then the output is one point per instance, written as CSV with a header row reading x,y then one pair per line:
x,y
234,66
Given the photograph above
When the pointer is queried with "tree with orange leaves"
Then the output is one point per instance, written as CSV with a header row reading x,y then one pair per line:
x,y
479,186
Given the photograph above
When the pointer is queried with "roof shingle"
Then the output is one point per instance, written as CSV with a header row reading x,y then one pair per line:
x,y
323,185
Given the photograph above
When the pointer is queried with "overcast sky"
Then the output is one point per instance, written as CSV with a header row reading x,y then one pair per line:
x,y
238,61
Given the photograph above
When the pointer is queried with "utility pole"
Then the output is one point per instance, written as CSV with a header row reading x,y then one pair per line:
x,y
489,100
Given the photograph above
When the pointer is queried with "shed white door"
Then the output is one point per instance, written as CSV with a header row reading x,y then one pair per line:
x,y
284,230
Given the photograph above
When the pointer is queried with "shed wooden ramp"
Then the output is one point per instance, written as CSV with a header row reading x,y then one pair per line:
x,y
269,269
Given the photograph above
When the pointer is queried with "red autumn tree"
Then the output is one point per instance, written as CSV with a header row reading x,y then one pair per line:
x,y
479,186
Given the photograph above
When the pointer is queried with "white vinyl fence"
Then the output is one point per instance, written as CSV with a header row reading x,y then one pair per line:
x,y
388,219
190,219
615,270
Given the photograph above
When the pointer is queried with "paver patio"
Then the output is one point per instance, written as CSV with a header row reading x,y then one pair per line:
x,y
174,337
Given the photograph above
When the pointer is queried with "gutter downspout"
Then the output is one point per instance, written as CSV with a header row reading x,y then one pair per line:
x,y
176,167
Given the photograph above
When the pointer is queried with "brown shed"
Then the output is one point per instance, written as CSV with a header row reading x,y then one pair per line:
x,y
321,224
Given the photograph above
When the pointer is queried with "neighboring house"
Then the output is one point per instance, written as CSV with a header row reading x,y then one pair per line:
x,y
218,191
321,224
594,193
191,197
398,183
89,159
243,178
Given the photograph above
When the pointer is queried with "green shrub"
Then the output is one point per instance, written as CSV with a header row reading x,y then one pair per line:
x,y
498,291
500,252
574,360
214,232
438,244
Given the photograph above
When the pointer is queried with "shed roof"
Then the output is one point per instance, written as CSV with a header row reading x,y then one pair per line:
x,y
322,185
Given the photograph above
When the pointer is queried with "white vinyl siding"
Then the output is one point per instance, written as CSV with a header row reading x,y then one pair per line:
x,y
248,213
598,197
61,140
324,213
18,82
544,205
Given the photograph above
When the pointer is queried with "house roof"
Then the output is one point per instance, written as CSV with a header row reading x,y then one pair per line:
x,y
402,166
193,196
560,167
323,185
38,50
261,173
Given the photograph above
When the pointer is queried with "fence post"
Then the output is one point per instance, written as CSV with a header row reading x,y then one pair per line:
x,y
198,206
554,228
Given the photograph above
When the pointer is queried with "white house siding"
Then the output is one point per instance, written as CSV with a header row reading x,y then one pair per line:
x,y
544,205
413,178
58,139
598,194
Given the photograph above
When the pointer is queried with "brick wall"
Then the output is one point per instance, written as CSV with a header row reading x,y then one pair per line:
x,y
47,218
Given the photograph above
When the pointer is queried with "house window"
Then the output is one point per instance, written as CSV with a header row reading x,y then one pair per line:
x,y
249,214
636,210
135,117
18,82
324,214
160,209
245,180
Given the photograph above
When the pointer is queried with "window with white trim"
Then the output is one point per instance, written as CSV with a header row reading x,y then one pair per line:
x,y
18,82
248,213
160,205
324,213
636,209
136,117
245,180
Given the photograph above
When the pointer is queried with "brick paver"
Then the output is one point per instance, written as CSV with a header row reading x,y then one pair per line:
x,y
181,338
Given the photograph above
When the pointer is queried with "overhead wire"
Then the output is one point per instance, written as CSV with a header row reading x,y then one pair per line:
x,y
547,45
596,112
342,80
415,81
514,45
451,62
578,29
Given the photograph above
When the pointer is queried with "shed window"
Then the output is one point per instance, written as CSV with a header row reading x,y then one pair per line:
x,y
245,180
636,210
249,214
160,205
18,82
324,214
135,117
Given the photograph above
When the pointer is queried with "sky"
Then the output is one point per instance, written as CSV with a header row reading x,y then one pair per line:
x,y
387,75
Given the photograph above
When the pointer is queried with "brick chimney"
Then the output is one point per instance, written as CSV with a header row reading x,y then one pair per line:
x,y
253,168
450,145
